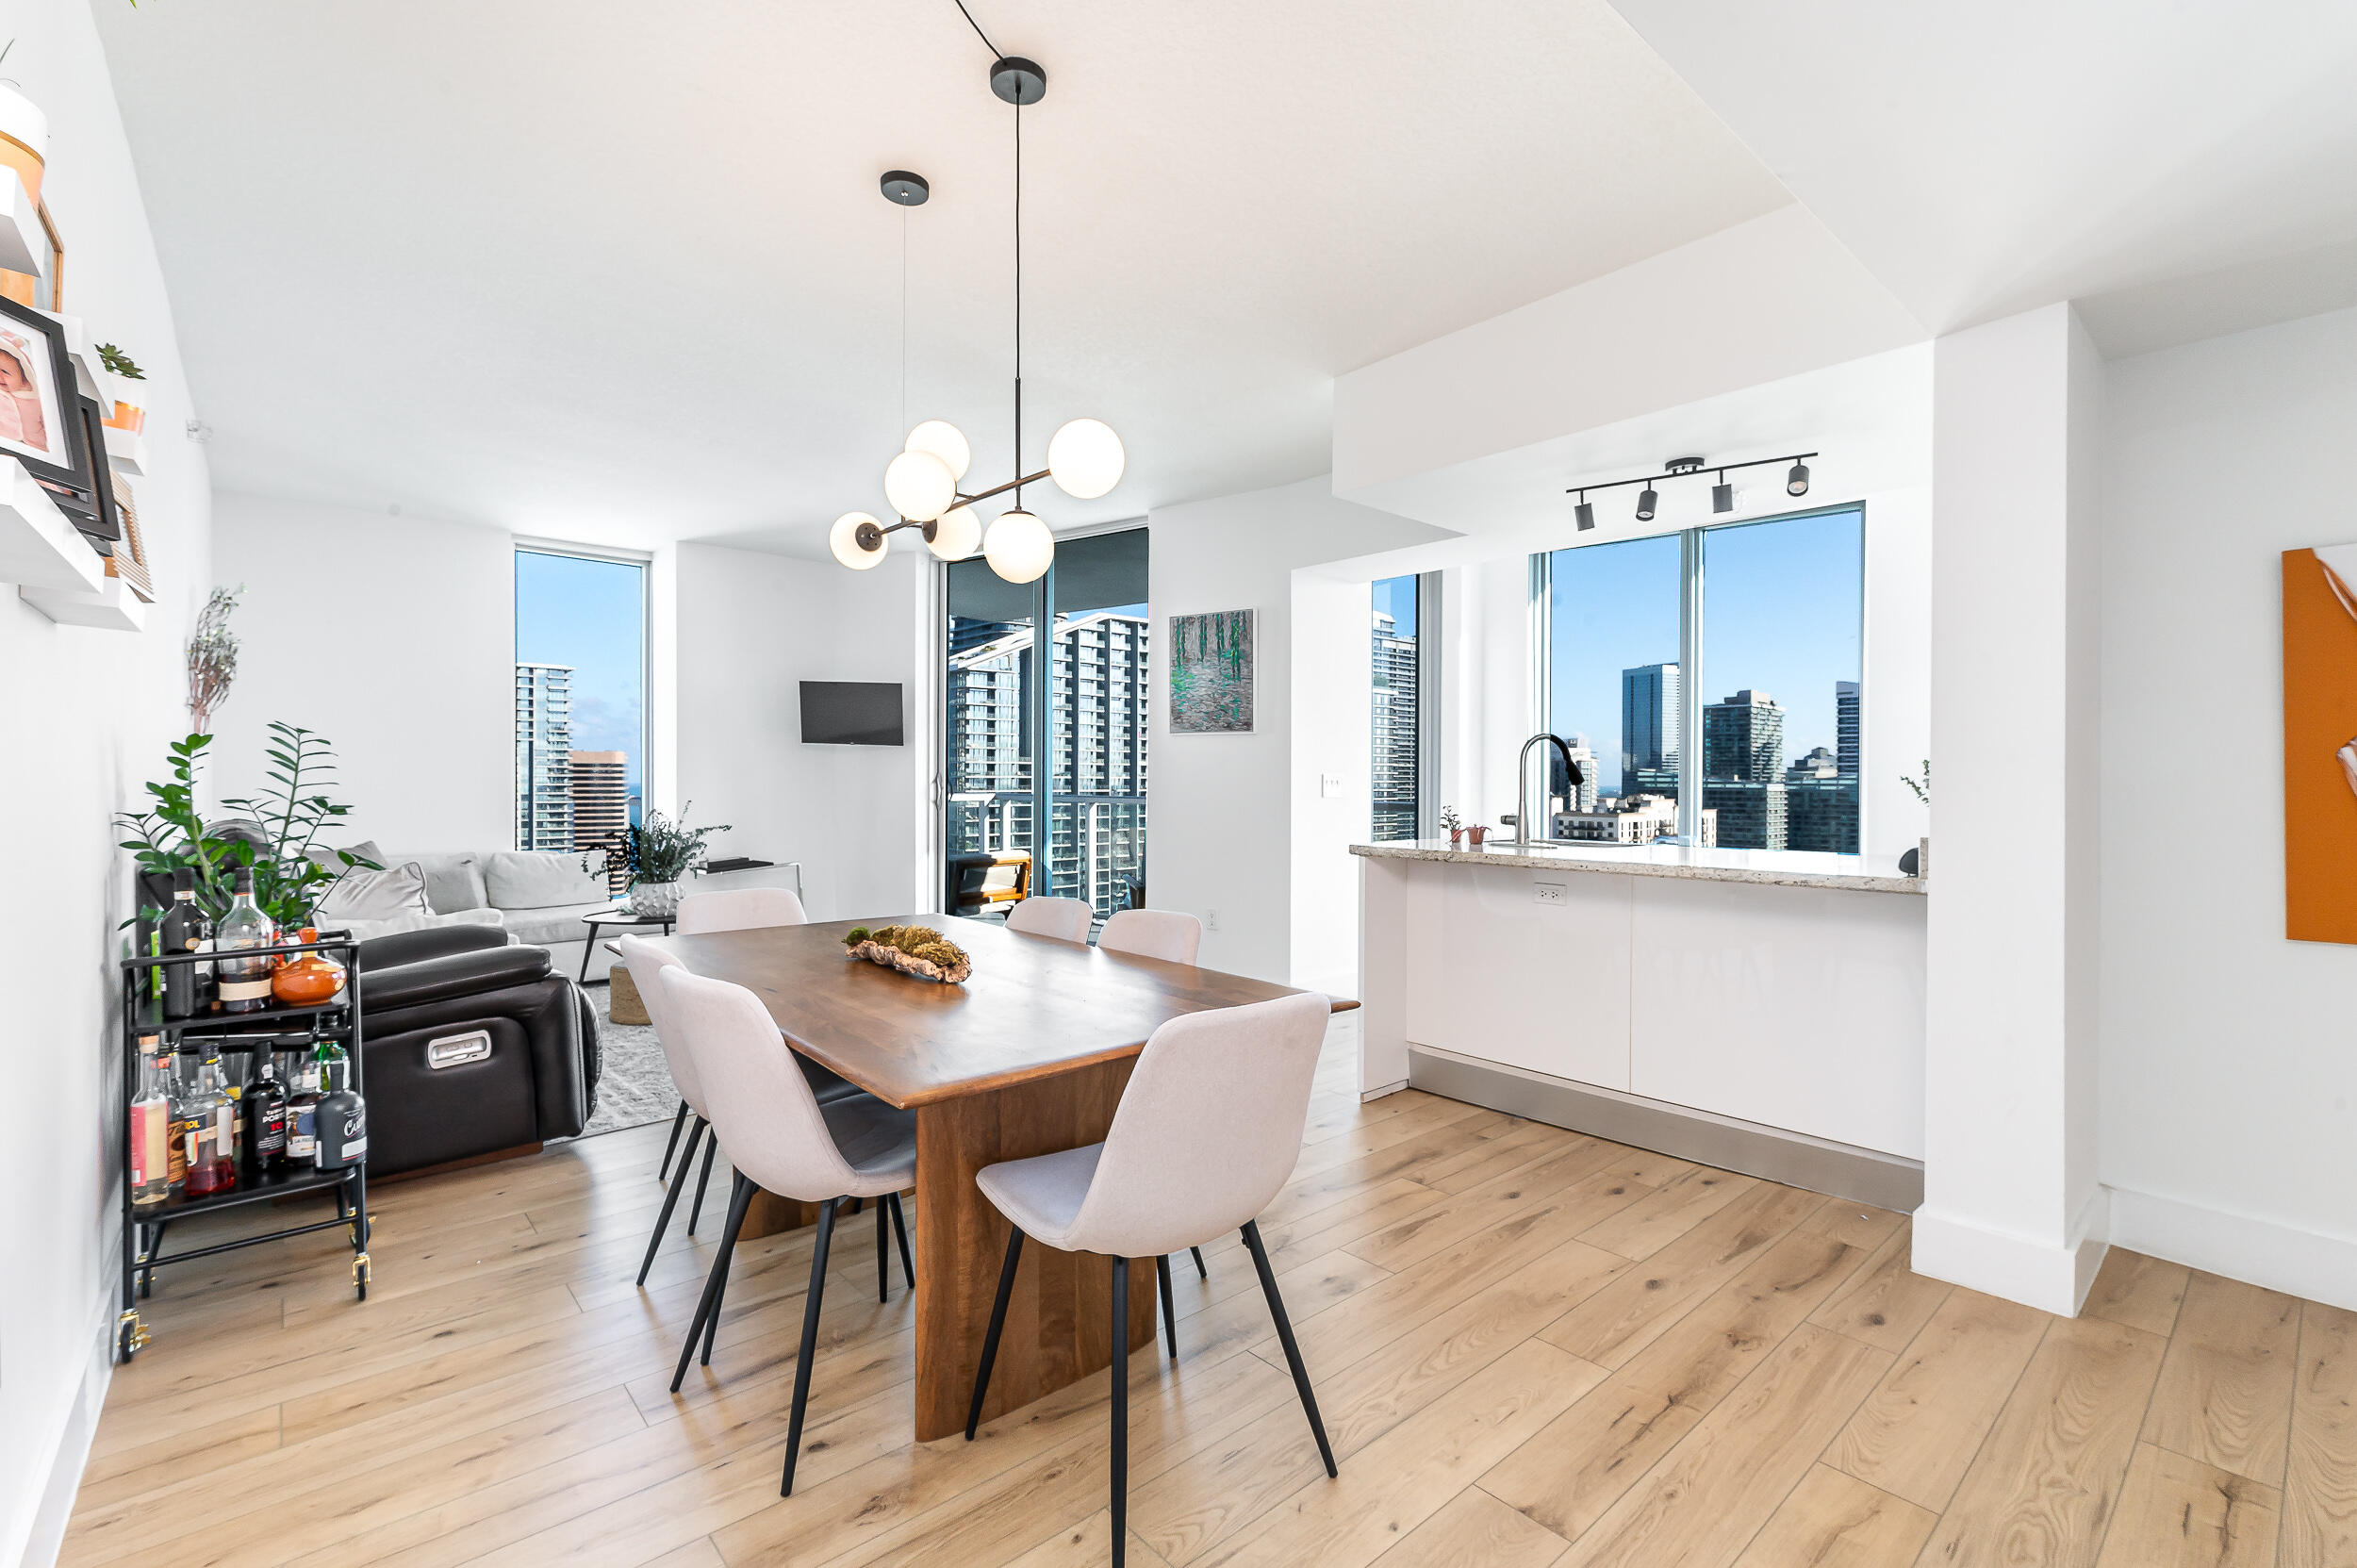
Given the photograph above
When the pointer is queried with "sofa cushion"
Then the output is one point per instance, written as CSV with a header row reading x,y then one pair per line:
x,y
555,923
373,896
365,850
422,920
535,879
453,881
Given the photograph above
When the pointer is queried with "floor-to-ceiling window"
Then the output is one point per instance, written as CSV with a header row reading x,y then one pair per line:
x,y
1395,686
581,688
1085,708
1713,678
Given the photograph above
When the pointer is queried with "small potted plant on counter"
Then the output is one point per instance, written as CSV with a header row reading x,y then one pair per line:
x,y
1455,825
1477,832
1923,851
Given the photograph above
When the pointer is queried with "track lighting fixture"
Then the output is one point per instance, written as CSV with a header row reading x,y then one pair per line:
x,y
1722,493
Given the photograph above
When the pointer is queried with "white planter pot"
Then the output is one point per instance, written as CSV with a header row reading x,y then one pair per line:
x,y
658,900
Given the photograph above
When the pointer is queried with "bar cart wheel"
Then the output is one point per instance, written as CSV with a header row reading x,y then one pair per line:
x,y
131,1335
360,1274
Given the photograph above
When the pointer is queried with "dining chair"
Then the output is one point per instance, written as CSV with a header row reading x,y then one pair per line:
x,y
646,963
1066,919
1218,1097
744,909
781,1138
1173,937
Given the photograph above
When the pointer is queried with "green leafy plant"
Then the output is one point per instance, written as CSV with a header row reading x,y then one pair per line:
x,y
120,363
659,850
288,881
1450,821
857,935
1922,786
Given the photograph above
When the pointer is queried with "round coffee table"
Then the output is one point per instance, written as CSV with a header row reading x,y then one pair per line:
x,y
617,916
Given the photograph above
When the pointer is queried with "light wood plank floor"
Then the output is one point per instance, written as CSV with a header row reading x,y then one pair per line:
x,y
1532,1347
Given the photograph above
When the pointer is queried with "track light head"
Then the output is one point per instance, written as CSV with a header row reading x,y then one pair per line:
x,y
1723,494
1647,503
1796,482
1584,514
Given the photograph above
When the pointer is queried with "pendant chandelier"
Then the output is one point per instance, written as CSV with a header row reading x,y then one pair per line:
x,y
924,483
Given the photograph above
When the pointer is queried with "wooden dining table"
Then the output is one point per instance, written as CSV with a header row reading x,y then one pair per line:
x,y
1026,1057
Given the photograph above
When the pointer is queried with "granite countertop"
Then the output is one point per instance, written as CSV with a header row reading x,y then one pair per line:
x,y
1773,868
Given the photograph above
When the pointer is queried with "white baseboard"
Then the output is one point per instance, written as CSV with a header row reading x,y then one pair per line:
x,y
2020,1268
71,1456
1378,1093
2261,1252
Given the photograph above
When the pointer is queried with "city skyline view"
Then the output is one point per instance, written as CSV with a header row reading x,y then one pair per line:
x,y
589,616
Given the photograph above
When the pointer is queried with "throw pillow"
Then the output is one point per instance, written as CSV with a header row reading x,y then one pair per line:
x,y
385,895
532,878
453,881
365,850
363,930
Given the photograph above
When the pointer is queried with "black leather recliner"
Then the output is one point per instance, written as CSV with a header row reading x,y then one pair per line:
x,y
470,1048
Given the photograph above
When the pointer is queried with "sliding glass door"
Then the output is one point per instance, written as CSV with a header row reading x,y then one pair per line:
x,y
1084,709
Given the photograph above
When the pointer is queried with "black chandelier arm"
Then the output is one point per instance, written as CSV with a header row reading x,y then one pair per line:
x,y
964,500
1722,469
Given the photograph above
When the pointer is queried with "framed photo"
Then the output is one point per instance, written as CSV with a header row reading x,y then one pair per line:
x,y
92,512
41,417
129,561
1211,673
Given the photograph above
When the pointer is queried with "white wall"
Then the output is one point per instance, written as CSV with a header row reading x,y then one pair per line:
x,y
750,628
1219,839
86,715
394,637
2227,1067
1333,745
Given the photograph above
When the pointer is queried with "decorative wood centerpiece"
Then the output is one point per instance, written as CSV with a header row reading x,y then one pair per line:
x,y
919,950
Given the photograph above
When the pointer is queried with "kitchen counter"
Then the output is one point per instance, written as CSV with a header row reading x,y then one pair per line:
x,y
1770,868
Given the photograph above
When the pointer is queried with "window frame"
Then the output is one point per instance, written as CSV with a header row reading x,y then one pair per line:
x,y
1691,668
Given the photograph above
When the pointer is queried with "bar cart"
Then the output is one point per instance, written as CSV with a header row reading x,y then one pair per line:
x,y
278,1028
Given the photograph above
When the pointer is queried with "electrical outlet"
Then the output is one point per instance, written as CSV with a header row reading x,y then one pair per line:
x,y
1551,893
1330,786
1210,919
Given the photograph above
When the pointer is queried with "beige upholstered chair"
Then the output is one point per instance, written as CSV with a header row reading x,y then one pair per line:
x,y
1220,1097
740,909
1066,919
781,1138
646,963
1163,933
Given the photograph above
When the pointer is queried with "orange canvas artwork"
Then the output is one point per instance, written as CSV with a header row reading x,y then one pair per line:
x,y
2320,744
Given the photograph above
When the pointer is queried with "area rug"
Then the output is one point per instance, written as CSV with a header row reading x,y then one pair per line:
x,y
635,1088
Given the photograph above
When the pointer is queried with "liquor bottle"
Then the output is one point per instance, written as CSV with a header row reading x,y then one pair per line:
x,y
179,1126
303,1142
342,1120
205,1114
150,1127
182,931
244,981
265,1119
333,1064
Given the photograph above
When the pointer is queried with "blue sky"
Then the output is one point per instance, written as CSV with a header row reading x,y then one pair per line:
x,y
1780,614
590,615
1398,596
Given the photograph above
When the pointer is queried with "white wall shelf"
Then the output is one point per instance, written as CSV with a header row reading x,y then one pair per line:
x,y
23,245
87,366
126,453
38,547
111,607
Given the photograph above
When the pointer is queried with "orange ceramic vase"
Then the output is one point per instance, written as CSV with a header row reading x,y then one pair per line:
x,y
310,979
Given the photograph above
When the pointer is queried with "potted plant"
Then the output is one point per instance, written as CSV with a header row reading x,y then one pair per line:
x,y
1922,789
1455,824
1477,831
130,417
657,854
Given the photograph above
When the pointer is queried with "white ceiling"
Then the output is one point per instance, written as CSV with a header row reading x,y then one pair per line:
x,y
2154,159
620,271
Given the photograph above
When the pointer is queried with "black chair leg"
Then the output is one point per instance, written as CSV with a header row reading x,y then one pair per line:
x,y
989,1340
1120,1372
1200,1272
670,1201
900,1228
708,1307
1170,1314
712,1147
810,1341
740,1203
679,1119
883,1253
1285,1337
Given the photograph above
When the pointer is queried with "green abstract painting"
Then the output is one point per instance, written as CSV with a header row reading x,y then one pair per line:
x,y
1211,673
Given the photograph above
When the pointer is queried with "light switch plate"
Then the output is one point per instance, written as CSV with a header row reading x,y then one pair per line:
x,y
1330,786
1551,892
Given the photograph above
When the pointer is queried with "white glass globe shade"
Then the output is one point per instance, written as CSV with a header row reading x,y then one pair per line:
x,y
943,441
1085,459
920,485
844,540
955,533
1019,547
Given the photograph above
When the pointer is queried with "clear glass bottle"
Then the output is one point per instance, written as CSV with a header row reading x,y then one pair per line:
x,y
211,1141
151,1126
181,1124
244,981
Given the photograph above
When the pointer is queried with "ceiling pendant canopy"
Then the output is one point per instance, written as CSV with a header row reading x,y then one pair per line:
x,y
925,483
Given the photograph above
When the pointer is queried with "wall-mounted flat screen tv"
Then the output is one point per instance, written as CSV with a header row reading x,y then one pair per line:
x,y
851,713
